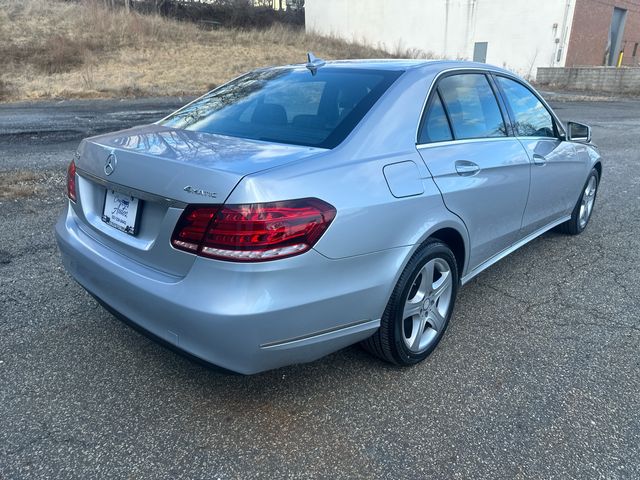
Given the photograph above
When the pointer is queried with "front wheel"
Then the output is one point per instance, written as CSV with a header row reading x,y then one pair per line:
x,y
420,307
584,207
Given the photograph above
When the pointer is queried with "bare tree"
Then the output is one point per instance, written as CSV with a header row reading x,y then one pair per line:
x,y
159,4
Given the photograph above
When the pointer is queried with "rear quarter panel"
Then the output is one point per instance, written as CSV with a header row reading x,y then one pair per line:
x,y
369,218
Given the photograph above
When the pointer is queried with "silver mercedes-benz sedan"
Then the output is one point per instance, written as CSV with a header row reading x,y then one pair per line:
x,y
300,209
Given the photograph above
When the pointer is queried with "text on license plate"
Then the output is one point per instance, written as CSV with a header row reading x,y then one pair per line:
x,y
121,211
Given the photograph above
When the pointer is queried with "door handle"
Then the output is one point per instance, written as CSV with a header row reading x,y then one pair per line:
x,y
466,169
539,159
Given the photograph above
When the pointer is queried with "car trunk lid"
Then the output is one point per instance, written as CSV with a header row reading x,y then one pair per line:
x,y
164,169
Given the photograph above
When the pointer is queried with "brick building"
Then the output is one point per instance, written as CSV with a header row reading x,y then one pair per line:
x,y
601,30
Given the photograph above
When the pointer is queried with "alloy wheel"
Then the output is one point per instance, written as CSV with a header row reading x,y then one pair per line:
x,y
588,199
427,305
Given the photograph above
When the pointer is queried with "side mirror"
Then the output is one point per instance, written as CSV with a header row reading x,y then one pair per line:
x,y
578,132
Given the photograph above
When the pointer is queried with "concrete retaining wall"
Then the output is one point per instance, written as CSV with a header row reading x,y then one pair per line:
x,y
596,79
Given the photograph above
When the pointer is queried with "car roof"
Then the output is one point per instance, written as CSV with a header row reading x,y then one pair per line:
x,y
380,63
393,64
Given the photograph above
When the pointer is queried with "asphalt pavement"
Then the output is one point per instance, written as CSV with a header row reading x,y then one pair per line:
x,y
538,375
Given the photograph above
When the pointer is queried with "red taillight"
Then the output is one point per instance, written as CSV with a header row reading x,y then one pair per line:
x,y
255,232
192,226
71,181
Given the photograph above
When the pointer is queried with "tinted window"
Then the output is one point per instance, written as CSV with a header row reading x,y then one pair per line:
x,y
532,119
436,126
472,106
288,105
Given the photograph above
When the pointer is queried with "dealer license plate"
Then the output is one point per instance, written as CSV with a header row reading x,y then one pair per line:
x,y
121,211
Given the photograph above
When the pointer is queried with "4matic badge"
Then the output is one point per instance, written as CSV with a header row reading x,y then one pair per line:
x,y
199,191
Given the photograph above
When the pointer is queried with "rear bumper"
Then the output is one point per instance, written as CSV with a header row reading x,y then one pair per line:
x,y
242,317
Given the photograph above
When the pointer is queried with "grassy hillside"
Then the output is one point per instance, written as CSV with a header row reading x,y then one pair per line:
x,y
51,49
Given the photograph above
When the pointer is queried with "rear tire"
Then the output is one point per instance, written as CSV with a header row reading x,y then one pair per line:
x,y
420,307
584,207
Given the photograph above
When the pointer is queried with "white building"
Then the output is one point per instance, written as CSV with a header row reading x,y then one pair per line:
x,y
516,34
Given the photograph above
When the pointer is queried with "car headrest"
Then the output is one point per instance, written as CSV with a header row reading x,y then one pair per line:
x,y
269,113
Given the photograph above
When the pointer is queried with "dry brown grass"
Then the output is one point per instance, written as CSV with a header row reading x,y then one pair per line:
x,y
4,90
17,185
53,49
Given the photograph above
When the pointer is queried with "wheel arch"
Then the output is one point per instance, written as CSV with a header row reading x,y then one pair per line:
x,y
453,233
598,167
455,241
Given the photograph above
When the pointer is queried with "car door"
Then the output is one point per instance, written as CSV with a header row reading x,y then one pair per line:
x,y
556,166
481,171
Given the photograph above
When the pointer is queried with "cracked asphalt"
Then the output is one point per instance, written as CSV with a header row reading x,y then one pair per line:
x,y
538,375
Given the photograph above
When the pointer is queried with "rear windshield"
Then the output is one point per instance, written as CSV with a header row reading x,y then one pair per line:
x,y
288,105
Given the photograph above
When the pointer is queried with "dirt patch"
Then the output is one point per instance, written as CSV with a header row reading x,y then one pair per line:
x,y
4,90
19,185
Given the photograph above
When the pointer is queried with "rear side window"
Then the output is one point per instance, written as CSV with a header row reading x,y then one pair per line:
x,y
472,106
531,117
288,105
436,126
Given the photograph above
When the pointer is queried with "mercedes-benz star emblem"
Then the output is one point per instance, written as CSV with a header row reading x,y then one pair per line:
x,y
110,164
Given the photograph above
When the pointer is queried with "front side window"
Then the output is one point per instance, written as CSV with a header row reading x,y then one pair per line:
x,y
472,106
288,105
531,117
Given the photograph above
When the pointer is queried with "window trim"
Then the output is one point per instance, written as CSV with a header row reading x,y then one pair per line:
x,y
447,115
504,108
490,73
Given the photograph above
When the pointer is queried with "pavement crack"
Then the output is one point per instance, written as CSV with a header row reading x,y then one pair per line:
x,y
605,326
625,291
528,305
47,433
